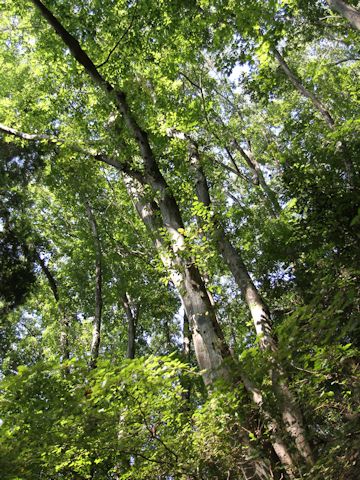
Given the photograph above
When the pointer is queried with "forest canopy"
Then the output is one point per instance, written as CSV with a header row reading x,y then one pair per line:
x,y
179,239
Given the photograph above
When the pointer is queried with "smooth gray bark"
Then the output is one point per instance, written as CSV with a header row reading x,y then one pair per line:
x,y
209,345
260,314
347,11
210,348
258,309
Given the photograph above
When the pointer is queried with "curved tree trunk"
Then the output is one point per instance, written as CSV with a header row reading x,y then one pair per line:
x,y
347,11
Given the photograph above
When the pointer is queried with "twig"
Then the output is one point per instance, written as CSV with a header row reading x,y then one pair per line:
x,y
151,431
236,169
305,370
119,41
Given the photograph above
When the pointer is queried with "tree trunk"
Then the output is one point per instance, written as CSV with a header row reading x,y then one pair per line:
x,y
132,316
304,91
277,441
291,414
96,334
260,314
258,309
210,348
64,322
260,179
347,11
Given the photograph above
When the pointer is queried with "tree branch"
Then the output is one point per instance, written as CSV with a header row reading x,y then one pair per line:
x,y
295,80
235,168
100,157
74,46
48,275
119,41
347,11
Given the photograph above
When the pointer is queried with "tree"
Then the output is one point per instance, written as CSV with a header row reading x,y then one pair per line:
x,y
347,11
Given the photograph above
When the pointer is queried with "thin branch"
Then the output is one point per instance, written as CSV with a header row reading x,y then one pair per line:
x,y
64,322
119,41
349,59
137,454
151,431
100,157
230,155
318,374
197,86
236,200
229,169
159,462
